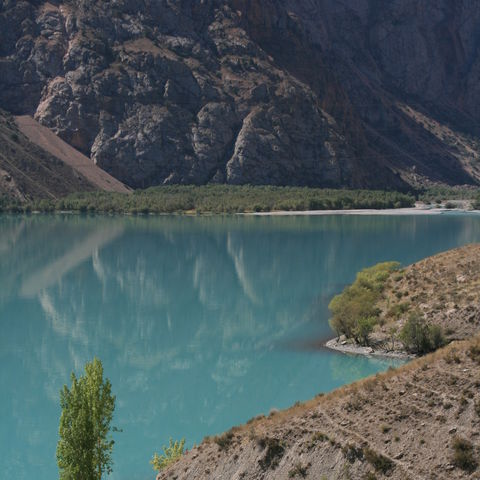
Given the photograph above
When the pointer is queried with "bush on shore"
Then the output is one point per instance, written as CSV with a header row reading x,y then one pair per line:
x,y
418,337
355,313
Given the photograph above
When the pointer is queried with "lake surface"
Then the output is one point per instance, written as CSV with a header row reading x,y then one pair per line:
x,y
201,322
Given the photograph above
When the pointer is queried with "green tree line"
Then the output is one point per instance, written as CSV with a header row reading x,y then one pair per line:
x,y
215,199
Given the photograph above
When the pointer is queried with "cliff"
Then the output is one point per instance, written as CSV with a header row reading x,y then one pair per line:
x,y
358,94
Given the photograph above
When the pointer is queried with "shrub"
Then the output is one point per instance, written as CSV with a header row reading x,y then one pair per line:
x,y
474,353
379,462
171,454
224,441
275,450
463,455
418,337
436,336
352,453
298,470
317,437
354,310
385,428
398,309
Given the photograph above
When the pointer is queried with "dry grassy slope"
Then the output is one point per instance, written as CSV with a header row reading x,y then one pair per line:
x,y
445,288
409,416
400,425
27,171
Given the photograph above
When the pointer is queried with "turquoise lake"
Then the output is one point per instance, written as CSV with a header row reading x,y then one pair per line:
x,y
201,322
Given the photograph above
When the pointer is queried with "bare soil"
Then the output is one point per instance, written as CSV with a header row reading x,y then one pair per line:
x,y
29,172
444,288
47,140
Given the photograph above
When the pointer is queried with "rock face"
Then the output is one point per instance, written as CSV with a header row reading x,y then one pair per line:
x,y
359,93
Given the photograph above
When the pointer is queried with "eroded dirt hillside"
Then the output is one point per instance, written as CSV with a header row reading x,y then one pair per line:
x,y
404,424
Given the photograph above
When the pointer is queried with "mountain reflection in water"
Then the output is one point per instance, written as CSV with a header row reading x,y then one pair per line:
x,y
196,319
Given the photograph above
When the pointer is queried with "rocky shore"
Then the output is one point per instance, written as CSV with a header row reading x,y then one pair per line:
x,y
345,346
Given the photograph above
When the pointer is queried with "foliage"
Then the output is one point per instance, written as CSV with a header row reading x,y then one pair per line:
x,y
224,441
442,192
398,310
354,311
418,337
171,454
85,447
298,470
353,453
463,455
379,462
476,203
476,407
474,353
217,199
275,451
364,328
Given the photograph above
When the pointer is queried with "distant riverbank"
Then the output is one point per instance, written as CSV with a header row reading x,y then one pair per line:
x,y
248,199
215,199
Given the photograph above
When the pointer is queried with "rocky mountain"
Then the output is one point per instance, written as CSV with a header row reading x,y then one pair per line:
x,y
359,93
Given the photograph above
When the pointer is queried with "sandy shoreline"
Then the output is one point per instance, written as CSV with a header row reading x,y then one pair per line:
x,y
387,211
350,348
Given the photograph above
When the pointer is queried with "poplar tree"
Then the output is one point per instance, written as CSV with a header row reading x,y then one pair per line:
x,y
84,450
